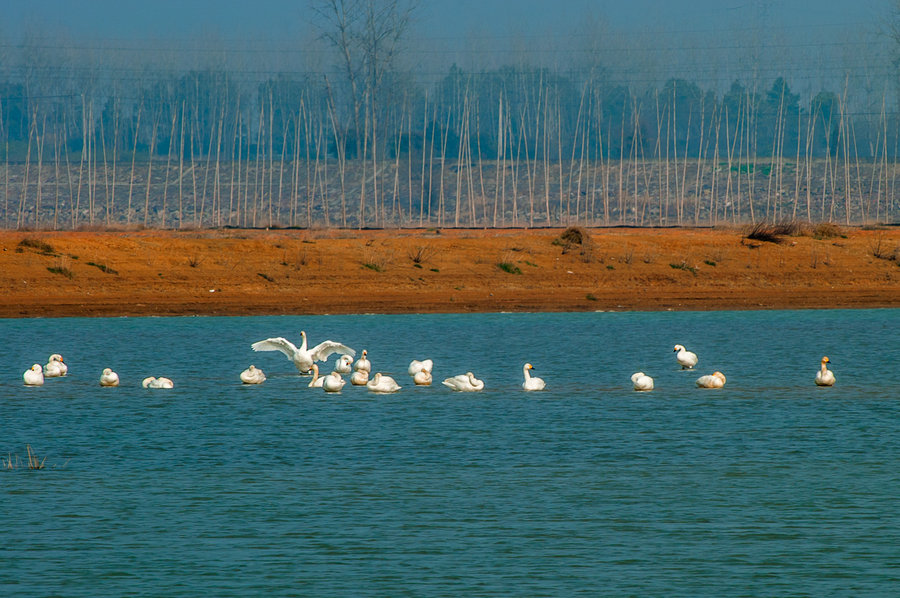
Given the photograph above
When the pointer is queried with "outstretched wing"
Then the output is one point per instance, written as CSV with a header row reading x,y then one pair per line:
x,y
321,351
276,344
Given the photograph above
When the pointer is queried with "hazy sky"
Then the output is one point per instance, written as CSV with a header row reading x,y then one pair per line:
x,y
113,19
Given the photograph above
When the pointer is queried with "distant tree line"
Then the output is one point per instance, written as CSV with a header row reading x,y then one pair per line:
x,y
366,142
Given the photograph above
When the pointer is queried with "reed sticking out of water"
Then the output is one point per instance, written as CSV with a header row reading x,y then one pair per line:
x,y
33,461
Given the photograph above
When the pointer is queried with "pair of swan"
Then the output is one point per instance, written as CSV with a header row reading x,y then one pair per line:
x,y
825,377
361,369
253,375
469,383
421,371
109,378
55,368
153,382
686,359
302,357
333,382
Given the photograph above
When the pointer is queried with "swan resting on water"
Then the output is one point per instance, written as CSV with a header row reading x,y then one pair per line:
x,y
714,380
161,382
362,364
55,367
333,382
344,364
34,376
825,377
253,375
686,359
109,378
302,357
422,378
642,381
382,384
531,383
464,383
359,378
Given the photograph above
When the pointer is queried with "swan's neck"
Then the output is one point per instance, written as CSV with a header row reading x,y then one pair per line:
x,y
303,344
527,373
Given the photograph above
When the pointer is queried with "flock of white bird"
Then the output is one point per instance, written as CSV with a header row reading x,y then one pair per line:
x,y
304,359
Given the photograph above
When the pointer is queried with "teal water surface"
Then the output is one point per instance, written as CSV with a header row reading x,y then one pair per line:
x,y
768,487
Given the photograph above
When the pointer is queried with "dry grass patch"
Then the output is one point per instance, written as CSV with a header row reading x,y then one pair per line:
x,y
770,232
577,239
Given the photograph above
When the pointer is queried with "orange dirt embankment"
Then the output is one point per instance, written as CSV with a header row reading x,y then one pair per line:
x,y
244,272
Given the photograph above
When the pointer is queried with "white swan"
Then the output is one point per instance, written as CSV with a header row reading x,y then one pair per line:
x,y
383,384
422,378
419,366
344,365
685,358
333,382
714,380
34,376
362,364
531,383
642,381
825,377
160,382
109,378
317,381
464,383
55,367
253,375
359,378
63,367
302,357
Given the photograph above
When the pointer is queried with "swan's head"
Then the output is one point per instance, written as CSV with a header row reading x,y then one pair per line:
x,y
678,348
825,360
364,353
528,366
56,357
37,368
346,359
720,376
377,378
636,375
107,371
148,381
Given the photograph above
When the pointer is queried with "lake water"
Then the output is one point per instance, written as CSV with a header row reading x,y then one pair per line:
x,y
768,487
